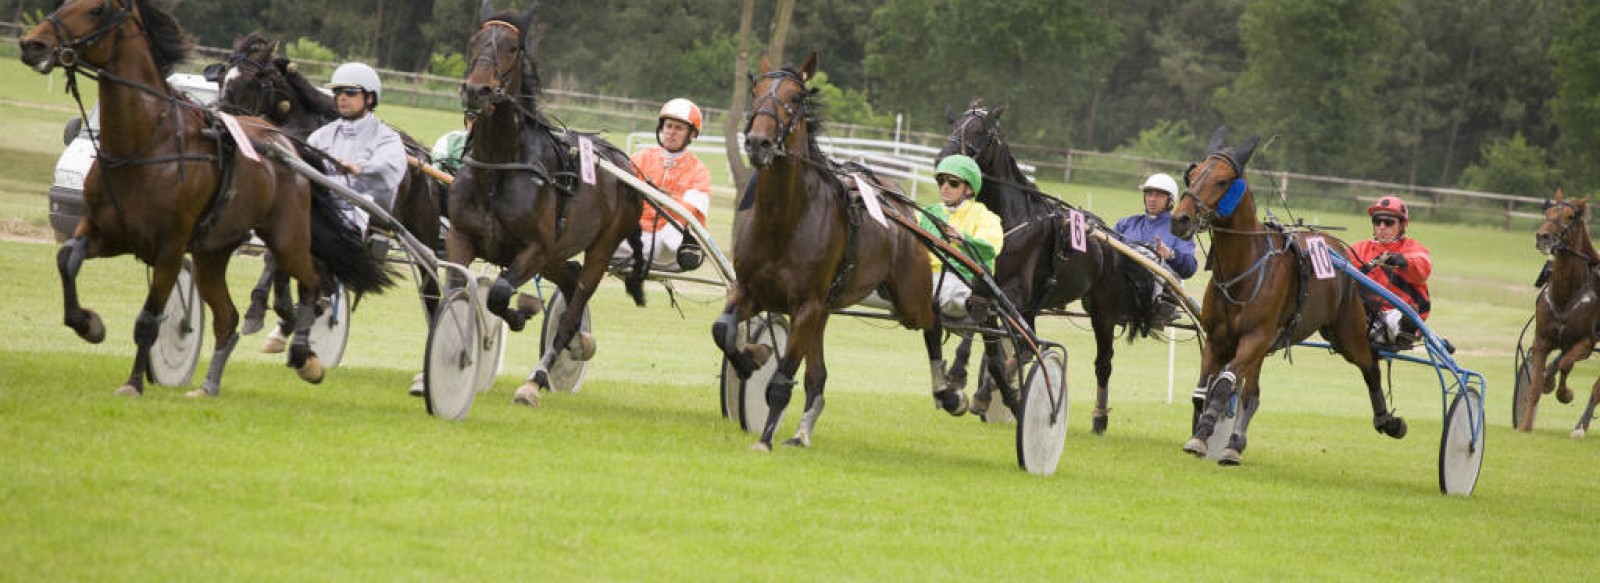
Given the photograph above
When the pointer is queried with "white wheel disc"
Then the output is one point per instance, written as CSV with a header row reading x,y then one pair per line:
x,y
1519,395
176,351
566,373
331,331
1460,455
1042,427
771,330
492,348
451,374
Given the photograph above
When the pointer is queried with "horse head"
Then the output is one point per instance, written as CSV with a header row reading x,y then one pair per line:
x,y
975,134
255,82
79,32
1213,188
780,105
1562,226
498,59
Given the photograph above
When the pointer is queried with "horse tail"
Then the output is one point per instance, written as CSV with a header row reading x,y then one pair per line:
x,y
1138,297
337,246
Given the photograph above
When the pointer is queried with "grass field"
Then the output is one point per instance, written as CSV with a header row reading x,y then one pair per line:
x,y
637,477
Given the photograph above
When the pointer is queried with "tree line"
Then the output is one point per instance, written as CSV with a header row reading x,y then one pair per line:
x,y
1501,96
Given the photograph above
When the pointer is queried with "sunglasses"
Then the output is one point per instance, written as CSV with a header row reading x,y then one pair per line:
x,y
349,90
952,182
1385,221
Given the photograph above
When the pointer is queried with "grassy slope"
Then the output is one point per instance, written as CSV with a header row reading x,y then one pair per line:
x,y
637,477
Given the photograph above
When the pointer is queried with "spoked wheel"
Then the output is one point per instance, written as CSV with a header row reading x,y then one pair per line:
x,y
1461,448
1223,430
451,374
1523,378
771,330
176,351
566,373
492,343
331,331
997,413
1042,426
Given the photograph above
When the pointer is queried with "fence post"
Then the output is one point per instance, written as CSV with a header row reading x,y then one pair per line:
x,y
1066,172
1509,205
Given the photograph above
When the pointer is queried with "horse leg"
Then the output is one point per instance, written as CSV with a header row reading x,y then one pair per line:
x,y
956,375
567,337
148,325
210,275
816,380
1249,391
69,259
1247,356
1210,373
946,395
1105,348
255,315
1569,358
301,357
808,322
1582,427
1539,374
283,307
725,332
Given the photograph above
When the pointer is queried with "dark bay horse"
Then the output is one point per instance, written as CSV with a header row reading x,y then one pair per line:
x,y
258,82
1566,314
518,200
1262,298
1037,267
805,252
167,181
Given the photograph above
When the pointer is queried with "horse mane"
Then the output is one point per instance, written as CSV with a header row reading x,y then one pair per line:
x,y
811,107
250,43
169,44
310,97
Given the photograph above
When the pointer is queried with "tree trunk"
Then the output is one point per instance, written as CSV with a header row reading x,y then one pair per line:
x,y
780,31
1455,123
731,126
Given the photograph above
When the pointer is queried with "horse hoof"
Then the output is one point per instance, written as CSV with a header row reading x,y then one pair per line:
x,y
129,391
582,347
1230,457
95,331
311,371
1196,447
953,402
798,441
419,385
757,353
1564,395
251,325
529,305
979,406
527,394
200,393
762,447
1391,426
1101,419
275,343
514,320
1578,433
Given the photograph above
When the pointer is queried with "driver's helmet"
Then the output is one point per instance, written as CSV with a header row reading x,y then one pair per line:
x,y
1164,183
1391,205
682,110
963,167
357,75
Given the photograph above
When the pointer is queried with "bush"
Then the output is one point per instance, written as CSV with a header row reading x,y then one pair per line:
x,y
1511,167
1166,140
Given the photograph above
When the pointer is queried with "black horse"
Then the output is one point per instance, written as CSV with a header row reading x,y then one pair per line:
x,y
1038,267
256,81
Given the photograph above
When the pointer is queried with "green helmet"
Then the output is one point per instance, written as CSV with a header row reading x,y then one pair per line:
x,y
963,167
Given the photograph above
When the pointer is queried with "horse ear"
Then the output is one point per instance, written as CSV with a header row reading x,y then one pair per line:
x,y
487,11
977,102
1216,139
949,115
766,65
809,68
527,16
994,114
1247,149
1559,197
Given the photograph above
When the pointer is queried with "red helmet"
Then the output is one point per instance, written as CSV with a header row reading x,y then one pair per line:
x,y
1391,205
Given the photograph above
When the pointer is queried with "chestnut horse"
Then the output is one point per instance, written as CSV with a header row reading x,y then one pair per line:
x,y
1261,298
1038,269
166,182
1566,313
518,200
804,251
260,83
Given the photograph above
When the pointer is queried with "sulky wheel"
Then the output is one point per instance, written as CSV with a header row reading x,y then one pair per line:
x,y
771,330
1461,448
331,331
451,367
566,373
1042,425
1524,383
176,351
492,343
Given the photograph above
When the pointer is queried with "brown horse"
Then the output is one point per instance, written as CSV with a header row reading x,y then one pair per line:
x,y
166,182
518,202
257,82
804,251
1261,298
1566,313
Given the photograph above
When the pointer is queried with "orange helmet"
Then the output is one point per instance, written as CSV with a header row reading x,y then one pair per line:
x,y
1391,205
682,110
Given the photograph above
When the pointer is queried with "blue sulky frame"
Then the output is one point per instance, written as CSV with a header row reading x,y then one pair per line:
x,y
1457,385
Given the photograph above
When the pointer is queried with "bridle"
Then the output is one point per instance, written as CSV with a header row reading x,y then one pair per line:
x,y
958,136
759,106
1562,235
67,47
503,77
1207,214
266,81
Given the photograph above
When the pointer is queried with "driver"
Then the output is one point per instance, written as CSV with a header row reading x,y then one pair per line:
x,y
675,170
1398,263
371,159
969,226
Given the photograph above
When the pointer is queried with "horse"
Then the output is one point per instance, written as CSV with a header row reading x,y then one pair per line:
x,y
806,250
517,201
1566,313
167,181
1262,298
1038,269
257,82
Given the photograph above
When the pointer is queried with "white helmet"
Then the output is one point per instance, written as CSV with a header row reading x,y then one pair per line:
x,y
357,75
1162,182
